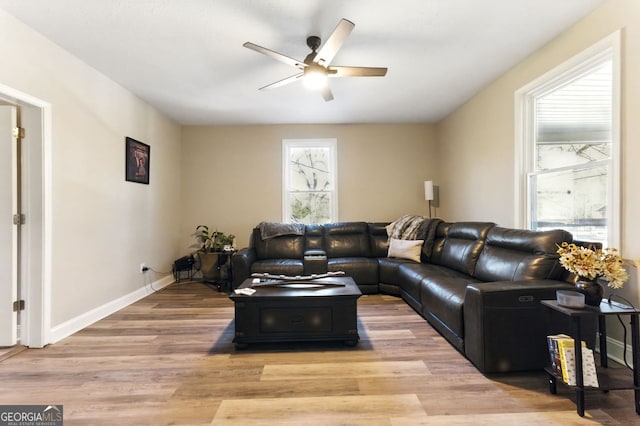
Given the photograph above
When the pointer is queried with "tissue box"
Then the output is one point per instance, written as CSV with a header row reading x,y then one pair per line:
x,y
570,299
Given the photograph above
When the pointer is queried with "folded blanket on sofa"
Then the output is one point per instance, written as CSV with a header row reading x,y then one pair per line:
x,y
276,229
406,228
410,227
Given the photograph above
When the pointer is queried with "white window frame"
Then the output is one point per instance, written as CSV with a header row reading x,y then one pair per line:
x,y
608,48
332,144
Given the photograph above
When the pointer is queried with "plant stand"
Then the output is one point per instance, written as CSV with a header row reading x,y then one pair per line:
x,y
216,269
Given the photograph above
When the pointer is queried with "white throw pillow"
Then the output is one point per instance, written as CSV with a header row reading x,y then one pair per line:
x,y
405,249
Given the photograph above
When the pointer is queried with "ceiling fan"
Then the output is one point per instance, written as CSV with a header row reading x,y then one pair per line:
x,y
316,66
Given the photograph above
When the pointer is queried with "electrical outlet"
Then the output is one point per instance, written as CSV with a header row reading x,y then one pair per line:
x,y
143,268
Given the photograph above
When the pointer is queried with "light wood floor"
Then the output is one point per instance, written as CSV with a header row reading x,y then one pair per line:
x,y
169,360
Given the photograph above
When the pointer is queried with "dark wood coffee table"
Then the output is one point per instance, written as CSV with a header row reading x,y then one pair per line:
x,y
287,312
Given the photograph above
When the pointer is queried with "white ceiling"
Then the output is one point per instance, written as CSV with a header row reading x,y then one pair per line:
x,y
186,57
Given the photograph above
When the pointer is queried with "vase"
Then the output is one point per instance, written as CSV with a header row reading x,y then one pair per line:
x,y
592,291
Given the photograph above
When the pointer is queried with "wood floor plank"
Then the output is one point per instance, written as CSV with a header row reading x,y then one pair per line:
x,y
324,371
246,389
351,410
392,334
169,359
566,418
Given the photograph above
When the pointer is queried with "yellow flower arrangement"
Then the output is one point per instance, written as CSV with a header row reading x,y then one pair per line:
x,y
591,264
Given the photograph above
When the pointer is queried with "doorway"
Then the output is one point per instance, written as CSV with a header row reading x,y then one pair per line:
x,y
28,261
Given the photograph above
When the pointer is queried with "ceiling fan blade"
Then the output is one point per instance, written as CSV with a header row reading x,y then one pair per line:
x,y
334,42
356,72
326,93
282,82
275,55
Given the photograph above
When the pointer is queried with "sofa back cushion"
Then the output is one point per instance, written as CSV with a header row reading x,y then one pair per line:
x,y
347,239
518,254
378,239
313,237
462,245
282,247
438,244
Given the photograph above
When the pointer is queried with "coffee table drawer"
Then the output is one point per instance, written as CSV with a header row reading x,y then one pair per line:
x,y
308,320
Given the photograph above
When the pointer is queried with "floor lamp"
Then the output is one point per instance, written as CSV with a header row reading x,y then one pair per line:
x,y
428,193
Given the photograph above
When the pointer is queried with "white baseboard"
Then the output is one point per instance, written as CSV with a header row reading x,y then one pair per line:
x,y
76,324
616,349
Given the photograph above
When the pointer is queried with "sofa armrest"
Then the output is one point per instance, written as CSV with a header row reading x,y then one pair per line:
x,y
512,293
505,325
242,261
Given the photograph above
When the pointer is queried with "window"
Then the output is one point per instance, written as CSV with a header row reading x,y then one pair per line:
x,y
310,178
568,134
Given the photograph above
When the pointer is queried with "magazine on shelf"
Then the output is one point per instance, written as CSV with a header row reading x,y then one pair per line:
x,y
563,362
589,375
554,352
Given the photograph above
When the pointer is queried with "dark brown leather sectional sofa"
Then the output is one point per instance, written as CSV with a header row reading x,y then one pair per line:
x,y
478,284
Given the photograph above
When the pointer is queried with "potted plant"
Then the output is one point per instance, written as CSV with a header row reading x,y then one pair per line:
x,y
592,265
223,242
212,245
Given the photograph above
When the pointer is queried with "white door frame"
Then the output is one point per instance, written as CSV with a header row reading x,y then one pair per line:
x,y
36,233
9,207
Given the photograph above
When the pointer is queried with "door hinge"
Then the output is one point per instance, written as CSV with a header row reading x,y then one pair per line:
x,y
18,305
18,132
18,219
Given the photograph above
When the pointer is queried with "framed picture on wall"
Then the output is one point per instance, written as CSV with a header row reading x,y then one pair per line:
x,y
137,155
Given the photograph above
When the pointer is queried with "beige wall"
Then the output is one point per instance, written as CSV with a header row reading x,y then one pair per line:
x,y
102,226
476,143
233,174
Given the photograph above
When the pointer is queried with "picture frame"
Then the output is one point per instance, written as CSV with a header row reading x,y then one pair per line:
x,y
137,161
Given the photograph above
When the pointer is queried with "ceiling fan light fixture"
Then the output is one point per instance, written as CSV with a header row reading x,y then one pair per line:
x,y
315,78
316,67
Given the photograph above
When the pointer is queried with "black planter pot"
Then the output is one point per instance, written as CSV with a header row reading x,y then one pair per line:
x,y
592,291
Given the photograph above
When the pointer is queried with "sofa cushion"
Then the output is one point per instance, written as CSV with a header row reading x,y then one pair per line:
x,y
438,243
518,254
347,239
462,246
378,239
282,247
278,266
363,270
388,269
405,249
409,277
443,297
313,238
411,274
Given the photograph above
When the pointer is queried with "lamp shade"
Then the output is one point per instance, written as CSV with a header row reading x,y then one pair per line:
x,y
428,190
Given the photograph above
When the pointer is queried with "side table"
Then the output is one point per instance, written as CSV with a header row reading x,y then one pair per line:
x,y
225,271
607,378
